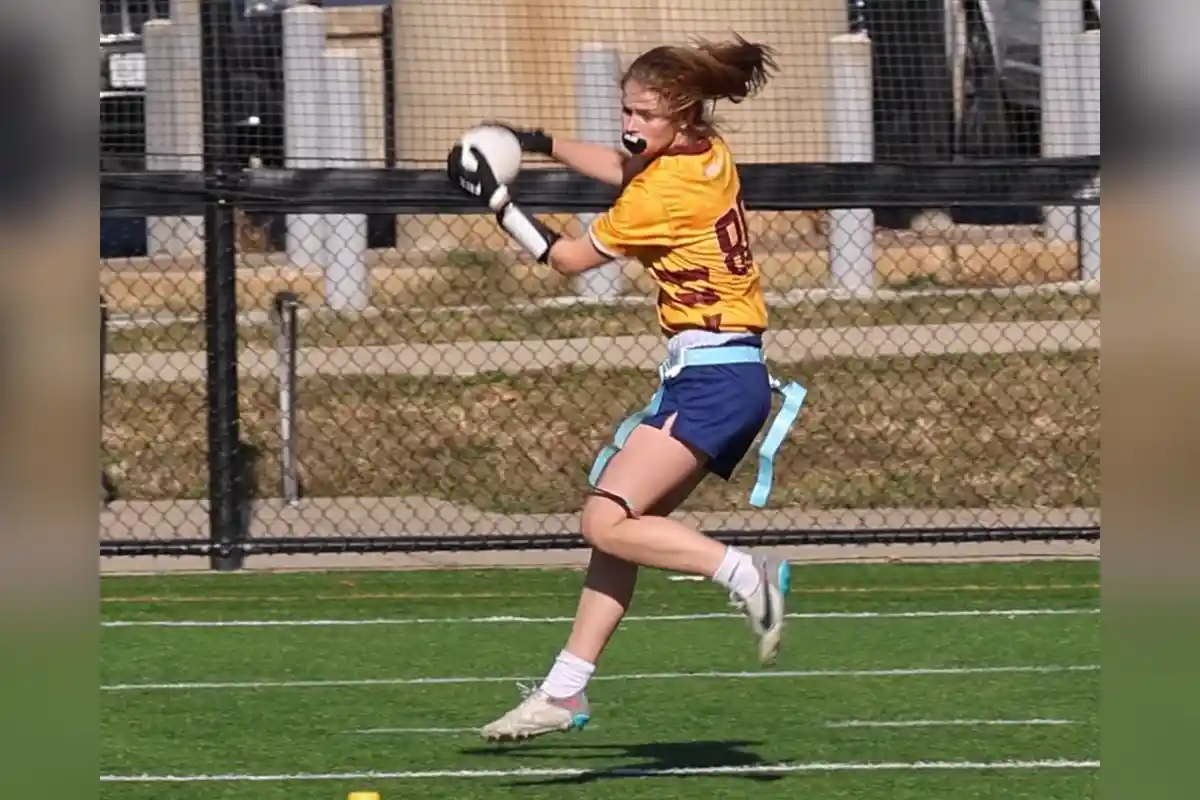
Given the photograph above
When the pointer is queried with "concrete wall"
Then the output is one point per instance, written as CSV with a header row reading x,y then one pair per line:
x,y
461,61
458,61
360,30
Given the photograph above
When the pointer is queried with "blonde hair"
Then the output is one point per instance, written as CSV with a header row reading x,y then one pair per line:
x,y
691,79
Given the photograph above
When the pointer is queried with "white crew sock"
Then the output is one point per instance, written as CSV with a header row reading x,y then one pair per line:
x,y
569,676
738,573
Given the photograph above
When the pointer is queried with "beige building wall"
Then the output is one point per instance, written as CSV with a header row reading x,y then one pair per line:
x,y
360,30
462,61
458,62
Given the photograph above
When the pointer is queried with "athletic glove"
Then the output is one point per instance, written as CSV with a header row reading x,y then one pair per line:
x,y
532,141
481,183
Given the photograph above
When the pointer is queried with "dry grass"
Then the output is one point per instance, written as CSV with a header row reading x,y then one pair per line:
x,y
965,431
408,327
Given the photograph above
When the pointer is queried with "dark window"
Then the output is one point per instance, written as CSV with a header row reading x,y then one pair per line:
x,y
111,20
142,11
119,17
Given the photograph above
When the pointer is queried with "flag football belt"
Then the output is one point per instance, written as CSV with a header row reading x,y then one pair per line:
x,y
792,394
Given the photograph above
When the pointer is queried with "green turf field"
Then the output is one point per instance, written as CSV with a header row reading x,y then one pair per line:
x,y
904,682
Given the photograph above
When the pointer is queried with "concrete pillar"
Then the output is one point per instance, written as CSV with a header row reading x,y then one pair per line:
x,y
306,123
1062,22
189,114
160,109
851,139
598,120
347,285
1089,70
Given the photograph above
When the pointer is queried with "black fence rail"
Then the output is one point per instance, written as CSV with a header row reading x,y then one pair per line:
x,y
445,393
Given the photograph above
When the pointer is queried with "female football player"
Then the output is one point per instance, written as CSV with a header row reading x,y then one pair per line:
x,y
679,212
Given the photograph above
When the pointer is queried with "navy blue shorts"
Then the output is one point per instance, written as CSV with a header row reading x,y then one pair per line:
x,y
721,409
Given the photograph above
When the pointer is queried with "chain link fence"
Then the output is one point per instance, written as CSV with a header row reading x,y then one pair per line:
x,y
316,344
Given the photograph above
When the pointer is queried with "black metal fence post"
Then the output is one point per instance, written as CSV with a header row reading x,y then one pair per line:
x,y
226,524
285,315
108,492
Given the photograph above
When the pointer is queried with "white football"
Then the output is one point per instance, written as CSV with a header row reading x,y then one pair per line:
x,y
498,145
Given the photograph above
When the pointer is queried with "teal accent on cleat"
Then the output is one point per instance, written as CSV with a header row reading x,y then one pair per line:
x,y
785,577
766,607
539,714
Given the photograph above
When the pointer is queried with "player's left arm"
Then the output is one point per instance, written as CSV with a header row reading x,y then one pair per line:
x,y
572,256
565,254
637,220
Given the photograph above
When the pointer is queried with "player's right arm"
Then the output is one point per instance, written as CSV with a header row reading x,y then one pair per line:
x,y
605,164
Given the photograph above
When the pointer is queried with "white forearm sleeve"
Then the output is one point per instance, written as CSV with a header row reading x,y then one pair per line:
x,y
535,237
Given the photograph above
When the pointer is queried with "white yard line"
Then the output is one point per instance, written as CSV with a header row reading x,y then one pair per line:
x,y
496,620
944,723
646,772
636,676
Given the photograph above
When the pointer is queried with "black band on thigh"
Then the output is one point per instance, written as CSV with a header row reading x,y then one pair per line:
x,y
616,498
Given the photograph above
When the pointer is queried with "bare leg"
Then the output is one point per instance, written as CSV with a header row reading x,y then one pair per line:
x,y
648,479
651,466
608,588
654,473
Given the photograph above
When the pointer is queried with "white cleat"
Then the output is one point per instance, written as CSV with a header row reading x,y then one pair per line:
x,y
537,715
766,608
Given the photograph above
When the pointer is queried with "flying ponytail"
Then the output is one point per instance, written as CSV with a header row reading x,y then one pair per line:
x,y
732,70
690,79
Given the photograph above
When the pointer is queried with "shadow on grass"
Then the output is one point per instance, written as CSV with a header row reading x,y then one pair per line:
x,y
649,759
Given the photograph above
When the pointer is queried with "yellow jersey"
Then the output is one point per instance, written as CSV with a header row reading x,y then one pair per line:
x,y
683,218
